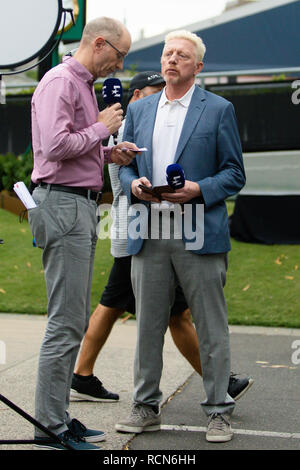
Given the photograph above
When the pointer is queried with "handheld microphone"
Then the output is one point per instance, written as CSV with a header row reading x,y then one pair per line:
x,y
175,176
112,93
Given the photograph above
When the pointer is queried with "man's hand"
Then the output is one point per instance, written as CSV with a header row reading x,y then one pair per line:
x,y
123,153
183,195
111,117
139,193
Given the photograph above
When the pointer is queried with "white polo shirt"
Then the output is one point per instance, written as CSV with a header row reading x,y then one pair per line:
x,y
170,117
169,121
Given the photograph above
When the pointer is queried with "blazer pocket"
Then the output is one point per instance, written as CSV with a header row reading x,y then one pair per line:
x,y
201,136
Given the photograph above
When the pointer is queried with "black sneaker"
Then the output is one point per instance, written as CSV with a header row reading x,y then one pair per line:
x,y
237,387
90,390
73,442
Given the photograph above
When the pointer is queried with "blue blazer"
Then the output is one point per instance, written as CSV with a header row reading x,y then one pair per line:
x,y
209,151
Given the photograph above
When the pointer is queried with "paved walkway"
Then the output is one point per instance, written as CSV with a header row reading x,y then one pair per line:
x,y
267,417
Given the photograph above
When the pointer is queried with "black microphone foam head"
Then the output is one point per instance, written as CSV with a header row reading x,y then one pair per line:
x,y
112,91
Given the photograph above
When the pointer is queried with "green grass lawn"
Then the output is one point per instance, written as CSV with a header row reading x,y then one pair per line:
x,y
22,285
263,282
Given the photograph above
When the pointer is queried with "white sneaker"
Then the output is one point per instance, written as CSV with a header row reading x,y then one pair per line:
x,y
218,428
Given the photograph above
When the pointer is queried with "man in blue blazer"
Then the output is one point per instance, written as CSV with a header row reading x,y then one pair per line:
x,y
196,129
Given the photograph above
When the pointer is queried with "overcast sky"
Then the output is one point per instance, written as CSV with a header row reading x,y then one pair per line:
x,y
154,16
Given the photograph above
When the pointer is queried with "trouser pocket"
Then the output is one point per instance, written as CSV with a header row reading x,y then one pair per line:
x,y
37,225
36,217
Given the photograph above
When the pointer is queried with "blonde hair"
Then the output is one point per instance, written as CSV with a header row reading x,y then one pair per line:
x,y
184,34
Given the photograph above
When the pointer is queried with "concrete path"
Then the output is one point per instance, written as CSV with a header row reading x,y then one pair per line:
x,y
267,417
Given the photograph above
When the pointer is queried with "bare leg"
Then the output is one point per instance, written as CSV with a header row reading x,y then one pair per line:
x,y
100,326
185,338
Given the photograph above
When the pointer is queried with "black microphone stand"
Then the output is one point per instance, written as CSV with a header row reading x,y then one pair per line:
x,y
35,423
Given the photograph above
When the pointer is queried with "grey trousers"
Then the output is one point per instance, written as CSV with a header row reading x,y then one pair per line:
x,y
156,270
64,226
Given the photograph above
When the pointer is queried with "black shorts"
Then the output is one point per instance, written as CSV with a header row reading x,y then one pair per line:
x,y
118,292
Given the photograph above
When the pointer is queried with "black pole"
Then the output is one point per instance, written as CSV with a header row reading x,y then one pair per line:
x,y
35,423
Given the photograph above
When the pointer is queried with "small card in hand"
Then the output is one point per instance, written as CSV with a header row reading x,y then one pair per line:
x,y
157,190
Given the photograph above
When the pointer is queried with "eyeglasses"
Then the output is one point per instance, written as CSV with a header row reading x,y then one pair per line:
x,y
121,55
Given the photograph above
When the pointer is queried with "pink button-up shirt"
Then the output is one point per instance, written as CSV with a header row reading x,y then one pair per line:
x,y
66,136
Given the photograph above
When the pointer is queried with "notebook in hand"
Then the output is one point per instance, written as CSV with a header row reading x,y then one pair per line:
x,y
157,191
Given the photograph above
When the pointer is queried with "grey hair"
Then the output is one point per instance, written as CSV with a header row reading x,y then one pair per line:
x,y
184,34
104,26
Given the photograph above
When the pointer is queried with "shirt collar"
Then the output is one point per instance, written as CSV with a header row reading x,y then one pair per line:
x,y
184,100
80,70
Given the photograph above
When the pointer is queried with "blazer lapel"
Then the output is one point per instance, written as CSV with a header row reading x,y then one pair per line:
x,y
149,121
194,113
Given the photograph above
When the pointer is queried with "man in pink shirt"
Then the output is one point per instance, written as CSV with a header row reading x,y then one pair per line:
x,y
67,134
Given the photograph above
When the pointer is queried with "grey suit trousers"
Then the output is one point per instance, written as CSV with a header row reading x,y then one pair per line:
x,y
156,270
64,226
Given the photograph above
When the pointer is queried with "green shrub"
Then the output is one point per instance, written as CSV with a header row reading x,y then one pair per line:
x,y
15,168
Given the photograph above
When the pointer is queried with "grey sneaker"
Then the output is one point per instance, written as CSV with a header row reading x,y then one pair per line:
x,y
142,418
218,428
